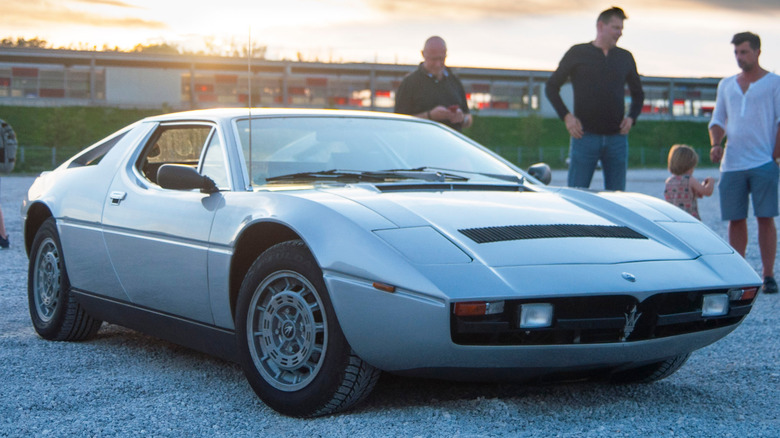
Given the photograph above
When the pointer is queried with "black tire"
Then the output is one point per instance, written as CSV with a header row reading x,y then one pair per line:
x,y
290,344
55,314
652,372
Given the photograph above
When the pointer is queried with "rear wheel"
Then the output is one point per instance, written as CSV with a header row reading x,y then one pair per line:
x,y
55,314
652,372
290,344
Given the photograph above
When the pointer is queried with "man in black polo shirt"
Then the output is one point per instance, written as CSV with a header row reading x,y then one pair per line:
x,y
433,91
599,72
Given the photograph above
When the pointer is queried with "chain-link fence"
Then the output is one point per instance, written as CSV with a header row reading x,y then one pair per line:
x,y
557,156
31,159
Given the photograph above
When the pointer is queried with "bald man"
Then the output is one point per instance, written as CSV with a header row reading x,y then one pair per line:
x,y
433,91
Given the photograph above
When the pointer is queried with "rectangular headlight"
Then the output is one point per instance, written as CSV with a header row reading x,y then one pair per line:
x,y
536,315
715,305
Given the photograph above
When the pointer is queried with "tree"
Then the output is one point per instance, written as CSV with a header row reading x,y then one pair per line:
x,y
25,43
157,49
231,49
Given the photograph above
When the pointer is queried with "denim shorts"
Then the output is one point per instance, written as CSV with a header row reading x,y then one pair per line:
x,y
759,183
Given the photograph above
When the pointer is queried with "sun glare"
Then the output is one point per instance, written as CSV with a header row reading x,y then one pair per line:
x,y
685,42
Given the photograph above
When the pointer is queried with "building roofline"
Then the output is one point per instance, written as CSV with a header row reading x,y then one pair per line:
x,y
225,63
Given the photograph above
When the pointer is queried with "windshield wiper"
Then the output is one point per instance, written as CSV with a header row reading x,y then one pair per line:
x,y
426,173
342,175
511,178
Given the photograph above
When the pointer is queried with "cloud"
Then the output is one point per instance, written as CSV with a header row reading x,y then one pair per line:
x,y
478,9
118,3
43,14
469,9
772,6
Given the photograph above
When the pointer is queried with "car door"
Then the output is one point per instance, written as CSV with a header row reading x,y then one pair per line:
x,y
157,238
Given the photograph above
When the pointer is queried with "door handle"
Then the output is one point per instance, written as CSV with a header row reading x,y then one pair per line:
x,y
117,197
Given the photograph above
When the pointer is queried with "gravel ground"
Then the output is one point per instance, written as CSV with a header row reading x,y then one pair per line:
x,y
127,384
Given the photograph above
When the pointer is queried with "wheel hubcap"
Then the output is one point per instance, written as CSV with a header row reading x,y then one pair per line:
x,y
287,330
47,280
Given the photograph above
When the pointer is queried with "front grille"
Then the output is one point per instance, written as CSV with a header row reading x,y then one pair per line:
x,y
598,319
521,232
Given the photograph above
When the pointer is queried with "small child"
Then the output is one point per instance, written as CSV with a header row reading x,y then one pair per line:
x,y
682,189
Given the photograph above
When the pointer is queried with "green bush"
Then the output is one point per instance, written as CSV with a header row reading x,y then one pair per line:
x,y
528,140
50,135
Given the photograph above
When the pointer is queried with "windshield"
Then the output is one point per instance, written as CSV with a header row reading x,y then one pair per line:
x,y
304,147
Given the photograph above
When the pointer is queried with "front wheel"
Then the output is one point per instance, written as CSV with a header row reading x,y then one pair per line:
x,y
290,344
55,314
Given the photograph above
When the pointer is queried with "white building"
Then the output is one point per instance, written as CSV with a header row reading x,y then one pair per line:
x,y
44,77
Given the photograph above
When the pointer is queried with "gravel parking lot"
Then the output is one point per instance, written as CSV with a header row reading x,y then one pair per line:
x,y
127,384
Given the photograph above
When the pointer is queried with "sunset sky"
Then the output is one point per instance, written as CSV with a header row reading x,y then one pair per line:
x,y
667,37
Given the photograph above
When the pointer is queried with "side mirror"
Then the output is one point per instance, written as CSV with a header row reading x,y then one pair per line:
x,y
180,177
542,172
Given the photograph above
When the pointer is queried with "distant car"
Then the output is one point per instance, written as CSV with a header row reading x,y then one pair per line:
x,y
317,248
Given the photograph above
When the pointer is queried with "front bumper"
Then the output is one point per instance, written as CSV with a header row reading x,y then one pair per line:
x,y
407,333
600,319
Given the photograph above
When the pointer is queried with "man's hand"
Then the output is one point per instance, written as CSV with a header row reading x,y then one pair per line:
x,y
716,137
467,120
456,116
716,154
626,125
574,126
440,113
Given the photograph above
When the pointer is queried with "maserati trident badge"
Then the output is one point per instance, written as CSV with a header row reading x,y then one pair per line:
x,y
631,318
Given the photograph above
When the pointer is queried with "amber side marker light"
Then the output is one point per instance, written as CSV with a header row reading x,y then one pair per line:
x,y
747,293
383,287
478,308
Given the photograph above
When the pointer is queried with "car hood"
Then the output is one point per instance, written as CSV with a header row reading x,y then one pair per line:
x,y
555,226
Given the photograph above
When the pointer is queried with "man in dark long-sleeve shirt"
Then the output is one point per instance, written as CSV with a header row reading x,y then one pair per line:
x,y
599,72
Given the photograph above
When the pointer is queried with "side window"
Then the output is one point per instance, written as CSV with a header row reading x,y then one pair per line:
x,y
94,154
173,144
213,164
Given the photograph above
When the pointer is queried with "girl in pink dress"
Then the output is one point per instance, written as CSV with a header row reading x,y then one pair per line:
x,y
682,189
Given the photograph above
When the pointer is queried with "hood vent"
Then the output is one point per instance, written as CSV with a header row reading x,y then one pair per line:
x,y
522,232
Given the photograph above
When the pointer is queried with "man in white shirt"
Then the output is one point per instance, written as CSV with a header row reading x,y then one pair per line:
x,y
747,113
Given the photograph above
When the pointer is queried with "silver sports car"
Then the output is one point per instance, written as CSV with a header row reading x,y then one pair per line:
x,y
318,248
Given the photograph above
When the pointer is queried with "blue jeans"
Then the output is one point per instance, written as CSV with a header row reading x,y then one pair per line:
x,y
585,152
